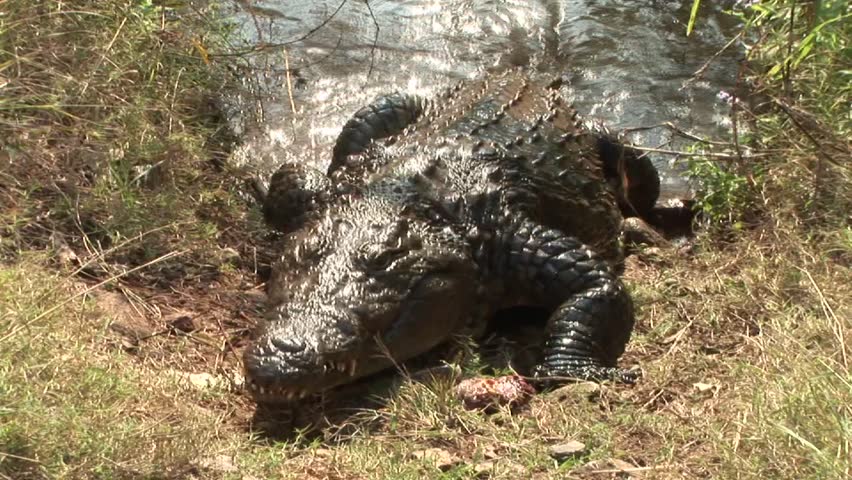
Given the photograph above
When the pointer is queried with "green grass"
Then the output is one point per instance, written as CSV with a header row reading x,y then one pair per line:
x,y
744,344
71,408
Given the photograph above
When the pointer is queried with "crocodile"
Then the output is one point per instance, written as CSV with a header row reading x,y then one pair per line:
x,y
434,215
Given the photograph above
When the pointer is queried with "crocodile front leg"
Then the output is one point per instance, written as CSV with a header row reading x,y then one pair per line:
x,y
593,313
295,193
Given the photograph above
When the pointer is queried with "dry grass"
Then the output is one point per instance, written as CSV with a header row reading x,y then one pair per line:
x,y
744,343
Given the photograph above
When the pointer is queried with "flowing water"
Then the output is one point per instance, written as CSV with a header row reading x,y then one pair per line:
x,y
629,63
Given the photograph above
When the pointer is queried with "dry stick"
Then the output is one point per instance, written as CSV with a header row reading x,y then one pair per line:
x,y
821,127
375,39
829,312
703,69
805,131
227,343
735,126
174,99
104,253
707,154
629,469
18,457
677,130
289,81
59,305
821,155
384,350
266,46
106,51
254,20
790,40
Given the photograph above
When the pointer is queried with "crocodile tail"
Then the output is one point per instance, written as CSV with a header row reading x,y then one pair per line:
x,y
385,116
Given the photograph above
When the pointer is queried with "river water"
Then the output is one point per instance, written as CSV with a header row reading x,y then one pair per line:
x,y
629,63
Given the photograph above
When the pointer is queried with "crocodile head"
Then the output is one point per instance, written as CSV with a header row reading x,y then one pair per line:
x,y
359,291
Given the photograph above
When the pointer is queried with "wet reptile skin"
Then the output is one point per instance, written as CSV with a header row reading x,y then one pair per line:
x,y
490,196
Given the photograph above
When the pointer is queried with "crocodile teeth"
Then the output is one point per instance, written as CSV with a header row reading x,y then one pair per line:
x,y
303,394
352,366
262,391
341,366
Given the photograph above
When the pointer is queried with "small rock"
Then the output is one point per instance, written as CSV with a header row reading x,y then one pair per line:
x,y
589,390
220,463
206,381
64,253
615,466
707,387
487,468
488,394
568,450
229,255
637,232
323,452
181,322
440,458
202,380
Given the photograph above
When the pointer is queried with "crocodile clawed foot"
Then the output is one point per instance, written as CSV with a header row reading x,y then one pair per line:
x,y
545,377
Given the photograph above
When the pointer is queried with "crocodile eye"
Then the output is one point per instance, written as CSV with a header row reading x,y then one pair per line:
x,y
382,259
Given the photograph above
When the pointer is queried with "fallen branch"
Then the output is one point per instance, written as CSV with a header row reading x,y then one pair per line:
x,y
724,156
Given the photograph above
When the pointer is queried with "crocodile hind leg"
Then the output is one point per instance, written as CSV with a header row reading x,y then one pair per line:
x,y
593,314
385,116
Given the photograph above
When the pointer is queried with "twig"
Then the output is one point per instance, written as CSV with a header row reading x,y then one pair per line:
x,y
310,33
18,457
628,469
375,38
790,40
289,81
706,154
829,312
677,130
703,69
104,253
174,99
103,56
787,110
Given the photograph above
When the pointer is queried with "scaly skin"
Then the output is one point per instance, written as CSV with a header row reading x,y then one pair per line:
x,y
489,197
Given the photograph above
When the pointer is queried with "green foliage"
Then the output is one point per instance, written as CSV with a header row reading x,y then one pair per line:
x,y
693,16
724,195
798,68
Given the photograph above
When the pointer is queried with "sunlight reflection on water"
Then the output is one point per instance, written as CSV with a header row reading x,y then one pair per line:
x,y
628,61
